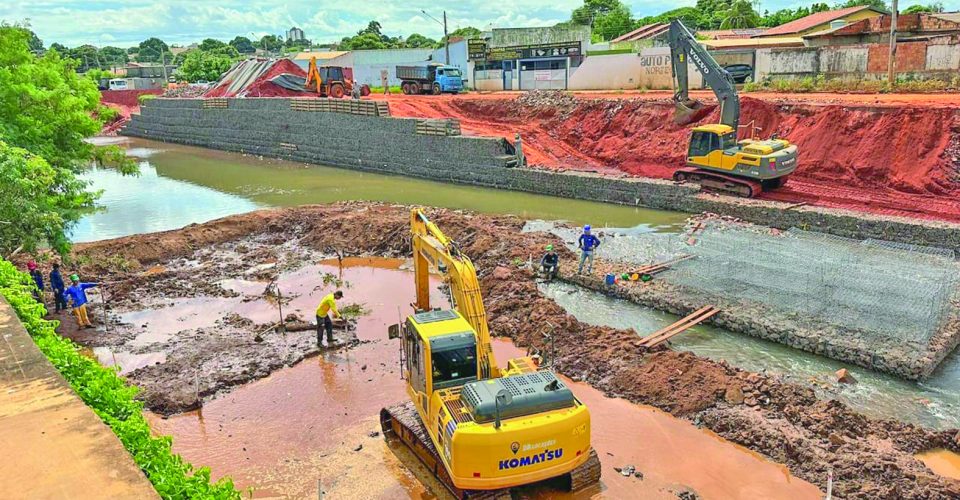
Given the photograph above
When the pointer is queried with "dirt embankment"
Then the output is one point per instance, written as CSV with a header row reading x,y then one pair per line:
x,y
869,458
897,160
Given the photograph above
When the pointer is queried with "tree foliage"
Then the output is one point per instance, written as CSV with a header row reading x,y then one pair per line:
x,y
608,18
924,9
39,203
153,50
784,16
270,42
739,15
200,64
878,4
243,45
416,40
46,111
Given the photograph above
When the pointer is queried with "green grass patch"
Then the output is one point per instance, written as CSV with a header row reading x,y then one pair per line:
x,y
112,398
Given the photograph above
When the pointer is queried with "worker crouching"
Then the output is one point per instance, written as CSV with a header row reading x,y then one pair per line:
x,y
549,264
326,309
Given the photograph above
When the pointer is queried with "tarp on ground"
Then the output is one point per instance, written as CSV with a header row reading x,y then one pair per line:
x,y
252,78
290,82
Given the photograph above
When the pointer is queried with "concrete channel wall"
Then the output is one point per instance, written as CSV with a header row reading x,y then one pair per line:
x,y
54,445
271,127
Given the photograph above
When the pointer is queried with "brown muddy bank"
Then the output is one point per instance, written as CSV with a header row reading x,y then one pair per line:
x,y
869,458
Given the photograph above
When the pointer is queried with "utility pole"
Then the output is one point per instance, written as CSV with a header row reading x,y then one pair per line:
x,y
163,64
446,36
892,63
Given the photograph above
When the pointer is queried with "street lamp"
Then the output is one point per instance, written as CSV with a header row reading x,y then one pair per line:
x,y
446,37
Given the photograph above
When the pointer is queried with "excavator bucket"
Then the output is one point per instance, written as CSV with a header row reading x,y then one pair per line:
x,y
688,111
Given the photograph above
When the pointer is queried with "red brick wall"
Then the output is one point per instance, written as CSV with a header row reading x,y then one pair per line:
x,y
911,57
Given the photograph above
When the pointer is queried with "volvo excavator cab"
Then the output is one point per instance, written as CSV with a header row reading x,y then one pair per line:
x,y
481,429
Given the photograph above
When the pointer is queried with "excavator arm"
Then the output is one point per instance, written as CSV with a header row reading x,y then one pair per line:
x,y
683,45
432,247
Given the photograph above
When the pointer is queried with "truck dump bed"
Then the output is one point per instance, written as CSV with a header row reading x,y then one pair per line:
x,y
413,73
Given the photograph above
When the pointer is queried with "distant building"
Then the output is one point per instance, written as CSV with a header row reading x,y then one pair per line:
x,y
821,21
295,34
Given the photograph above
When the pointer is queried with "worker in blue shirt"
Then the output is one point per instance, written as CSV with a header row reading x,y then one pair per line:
x,y
588,243
76,297
57,286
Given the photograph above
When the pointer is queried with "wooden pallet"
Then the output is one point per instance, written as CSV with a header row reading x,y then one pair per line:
x,y
664,334
215,103
442,126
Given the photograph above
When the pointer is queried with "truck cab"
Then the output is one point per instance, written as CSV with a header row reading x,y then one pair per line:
x,y
450,79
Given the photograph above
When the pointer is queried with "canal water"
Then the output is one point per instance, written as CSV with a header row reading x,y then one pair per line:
x,y
180,185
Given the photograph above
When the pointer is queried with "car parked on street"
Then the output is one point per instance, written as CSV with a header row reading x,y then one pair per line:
x,y
741,73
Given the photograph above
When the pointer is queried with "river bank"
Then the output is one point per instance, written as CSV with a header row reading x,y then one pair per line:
x,y
869,457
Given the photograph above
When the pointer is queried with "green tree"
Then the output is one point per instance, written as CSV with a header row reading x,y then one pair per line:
x,y
363,41
243,45
270,42
207,65
151,49
39,203
739,15
113,56
924,9
784,16
467,32
45,107
209,44
877,4
416,40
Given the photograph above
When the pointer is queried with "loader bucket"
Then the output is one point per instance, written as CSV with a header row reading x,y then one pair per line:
x,y
689,111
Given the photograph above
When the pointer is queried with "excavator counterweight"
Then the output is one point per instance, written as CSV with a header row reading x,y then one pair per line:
x,y
479,428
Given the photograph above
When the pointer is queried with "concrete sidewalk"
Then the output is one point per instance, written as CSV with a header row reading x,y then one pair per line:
x,y
53,445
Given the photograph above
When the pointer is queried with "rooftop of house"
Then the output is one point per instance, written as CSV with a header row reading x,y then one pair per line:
x,y
814,20
643,33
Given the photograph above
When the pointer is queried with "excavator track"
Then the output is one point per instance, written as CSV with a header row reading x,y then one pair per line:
x,y
737,186
587,474
402,422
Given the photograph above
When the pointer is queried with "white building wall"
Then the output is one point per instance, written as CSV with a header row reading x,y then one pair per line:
x,y
943,57
650,69
843,59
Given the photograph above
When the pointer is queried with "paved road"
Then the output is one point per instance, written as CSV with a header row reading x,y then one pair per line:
x,y
54,446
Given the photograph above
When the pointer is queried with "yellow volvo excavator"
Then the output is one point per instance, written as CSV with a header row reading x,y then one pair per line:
x,y
715,158
479,428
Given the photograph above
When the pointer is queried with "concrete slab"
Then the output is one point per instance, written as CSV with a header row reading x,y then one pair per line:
x,y
54,445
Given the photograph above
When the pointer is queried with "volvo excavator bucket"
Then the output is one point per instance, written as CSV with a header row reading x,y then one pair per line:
x,y
689,111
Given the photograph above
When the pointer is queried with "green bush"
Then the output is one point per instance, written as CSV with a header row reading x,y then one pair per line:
x,y
112,399
142,98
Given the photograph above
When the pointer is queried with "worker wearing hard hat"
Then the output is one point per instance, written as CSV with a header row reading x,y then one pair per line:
x,y
327,308
550,263
588,244
76,297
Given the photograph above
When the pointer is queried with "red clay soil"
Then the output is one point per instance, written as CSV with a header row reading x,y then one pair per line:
x,y
124,101
890,159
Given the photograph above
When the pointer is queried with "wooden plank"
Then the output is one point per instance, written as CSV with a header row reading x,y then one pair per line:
x,y
668,332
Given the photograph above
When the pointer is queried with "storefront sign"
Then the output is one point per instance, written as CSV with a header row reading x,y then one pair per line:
x,y
534,51
476,49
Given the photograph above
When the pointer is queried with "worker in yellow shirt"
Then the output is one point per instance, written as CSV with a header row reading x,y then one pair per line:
x,y
327,307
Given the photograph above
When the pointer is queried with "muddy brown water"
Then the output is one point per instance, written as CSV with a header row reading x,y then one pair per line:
x,y
310,426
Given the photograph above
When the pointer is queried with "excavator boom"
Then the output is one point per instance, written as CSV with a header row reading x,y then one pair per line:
x,y
684,46
431,246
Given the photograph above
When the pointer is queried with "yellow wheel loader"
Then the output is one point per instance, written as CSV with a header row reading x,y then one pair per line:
x,y
479,428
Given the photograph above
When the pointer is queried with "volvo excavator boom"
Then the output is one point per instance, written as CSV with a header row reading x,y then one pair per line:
x,y
684,46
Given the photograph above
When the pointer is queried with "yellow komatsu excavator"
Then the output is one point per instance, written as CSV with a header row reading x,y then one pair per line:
x,y
479,428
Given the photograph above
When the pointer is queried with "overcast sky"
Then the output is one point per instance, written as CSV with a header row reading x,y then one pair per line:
x,y
125,23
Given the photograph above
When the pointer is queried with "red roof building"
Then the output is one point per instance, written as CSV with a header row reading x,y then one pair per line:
x,y
821,21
